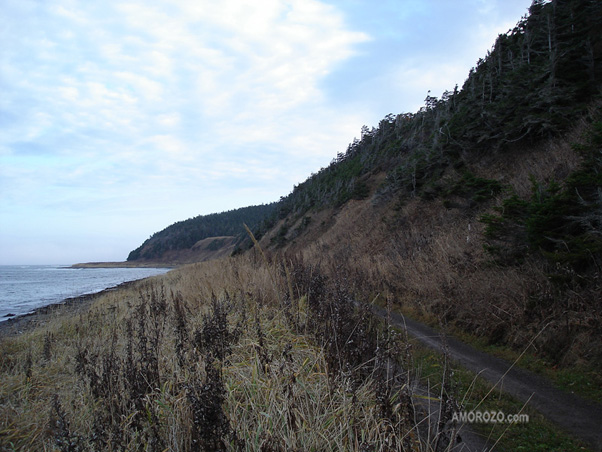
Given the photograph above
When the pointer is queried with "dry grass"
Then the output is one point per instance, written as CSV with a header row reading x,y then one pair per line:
x,y
429,258
250,353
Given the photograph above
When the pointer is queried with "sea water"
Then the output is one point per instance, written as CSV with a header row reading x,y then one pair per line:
x,y
24,288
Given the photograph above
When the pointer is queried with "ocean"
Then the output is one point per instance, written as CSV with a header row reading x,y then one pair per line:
x,y
24,288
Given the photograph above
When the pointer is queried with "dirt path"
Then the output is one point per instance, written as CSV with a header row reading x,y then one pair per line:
x,y
577,416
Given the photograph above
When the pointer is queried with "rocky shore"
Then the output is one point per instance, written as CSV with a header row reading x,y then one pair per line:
x,y
21,323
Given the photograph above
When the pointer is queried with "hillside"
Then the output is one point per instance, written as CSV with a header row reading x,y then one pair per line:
x,y
481,211
182,242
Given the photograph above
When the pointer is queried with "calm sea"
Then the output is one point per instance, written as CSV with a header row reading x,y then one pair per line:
x,y
24,288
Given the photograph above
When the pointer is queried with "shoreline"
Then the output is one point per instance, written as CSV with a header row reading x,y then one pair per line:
x,y
71,305
124,264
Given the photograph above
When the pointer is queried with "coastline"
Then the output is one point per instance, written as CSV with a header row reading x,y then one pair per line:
x,y
125,264
25,322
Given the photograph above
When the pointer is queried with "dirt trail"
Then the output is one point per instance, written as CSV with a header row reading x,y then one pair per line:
x,y
581,418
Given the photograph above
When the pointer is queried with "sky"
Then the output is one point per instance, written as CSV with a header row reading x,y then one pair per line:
x,y
121,117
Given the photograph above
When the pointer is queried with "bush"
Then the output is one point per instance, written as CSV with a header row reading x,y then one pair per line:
x,y
561,222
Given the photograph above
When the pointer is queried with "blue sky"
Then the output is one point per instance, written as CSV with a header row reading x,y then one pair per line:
x,y
118,118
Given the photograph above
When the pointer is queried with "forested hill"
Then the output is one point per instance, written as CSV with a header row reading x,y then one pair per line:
x,y
184,234
483,210
534,83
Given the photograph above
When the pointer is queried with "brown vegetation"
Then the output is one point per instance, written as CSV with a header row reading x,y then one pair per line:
x,y
427,254
239,354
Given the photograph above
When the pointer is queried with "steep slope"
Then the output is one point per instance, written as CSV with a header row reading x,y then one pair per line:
x,y
483,210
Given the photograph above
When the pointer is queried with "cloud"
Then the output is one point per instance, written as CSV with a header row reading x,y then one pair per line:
x,y
258,60
123,70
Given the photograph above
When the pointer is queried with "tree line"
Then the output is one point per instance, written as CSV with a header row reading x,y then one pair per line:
x,y
184,234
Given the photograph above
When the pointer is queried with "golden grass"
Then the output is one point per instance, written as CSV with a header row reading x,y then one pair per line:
x,y
85,379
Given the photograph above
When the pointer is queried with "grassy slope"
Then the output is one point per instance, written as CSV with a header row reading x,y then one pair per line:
x,y
207,356
427,257
236,354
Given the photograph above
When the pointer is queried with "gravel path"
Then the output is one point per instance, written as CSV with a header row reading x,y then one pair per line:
x,y
581,418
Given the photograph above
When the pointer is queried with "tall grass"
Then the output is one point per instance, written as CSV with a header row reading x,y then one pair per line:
x,y
431,261
252,353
